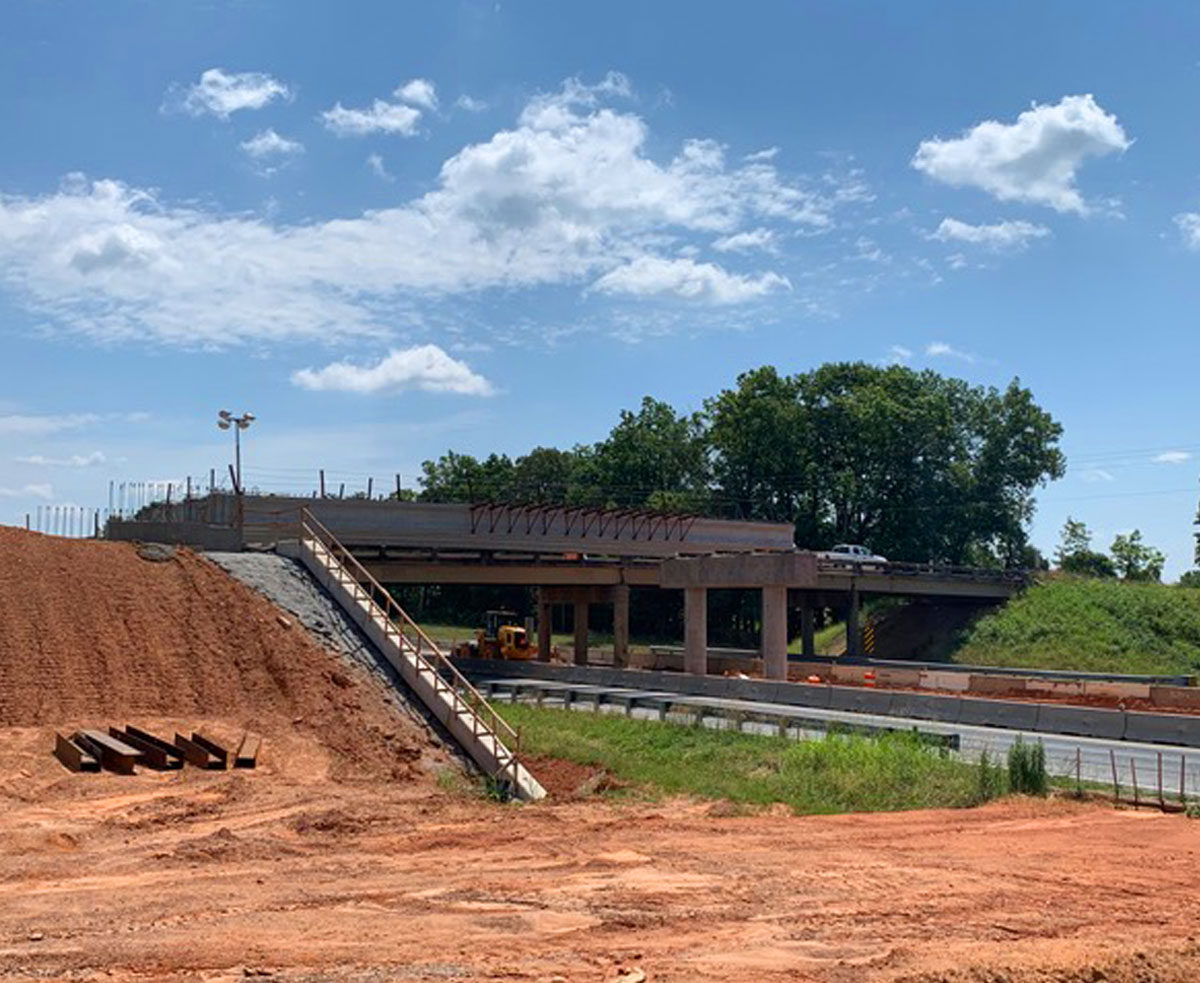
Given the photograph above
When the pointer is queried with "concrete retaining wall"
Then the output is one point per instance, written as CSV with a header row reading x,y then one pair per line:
x,y
199,535
1047,718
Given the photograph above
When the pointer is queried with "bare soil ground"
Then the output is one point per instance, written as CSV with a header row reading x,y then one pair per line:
x,y
343,857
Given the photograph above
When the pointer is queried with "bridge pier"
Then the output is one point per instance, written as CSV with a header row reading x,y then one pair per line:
x,y
695,630
853,631
808,644
621,626
544,625
774,632
581,632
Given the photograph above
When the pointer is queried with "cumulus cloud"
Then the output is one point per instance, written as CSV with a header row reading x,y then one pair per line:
x,y
378,168
566,196
1172,457
1189,227
1092,475
762,155
425,367
939,349
741,242
379,117
470,104
655,276
269,144
220,93
1001,235
418,92
1036,159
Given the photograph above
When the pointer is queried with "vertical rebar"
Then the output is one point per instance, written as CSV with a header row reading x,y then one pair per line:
x,y
1112,757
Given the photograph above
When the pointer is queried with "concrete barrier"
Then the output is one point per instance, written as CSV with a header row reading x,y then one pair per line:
x,y
800,694
900,678
957,682
1122,691
1080,721
1163,728
998,713
858,699
996,684
1185,697
926,706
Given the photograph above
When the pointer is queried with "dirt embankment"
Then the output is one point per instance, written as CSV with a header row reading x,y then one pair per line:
x,y
92,633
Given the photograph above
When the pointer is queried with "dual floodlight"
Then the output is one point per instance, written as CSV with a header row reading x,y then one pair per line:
x,y
226,421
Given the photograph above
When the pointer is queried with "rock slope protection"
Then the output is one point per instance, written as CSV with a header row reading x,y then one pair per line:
x,y
94,632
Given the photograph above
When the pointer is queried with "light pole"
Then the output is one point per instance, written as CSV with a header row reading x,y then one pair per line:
x,y
227,421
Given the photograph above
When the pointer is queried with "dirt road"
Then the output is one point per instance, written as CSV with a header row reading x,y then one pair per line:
x,y
292,874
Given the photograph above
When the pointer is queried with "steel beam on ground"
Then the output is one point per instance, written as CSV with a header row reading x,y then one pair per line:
x,y
73,756
212,747
139,737
114,754
195,755
247,752
161,758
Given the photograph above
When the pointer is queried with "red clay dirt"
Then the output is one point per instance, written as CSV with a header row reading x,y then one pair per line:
x,y
342,858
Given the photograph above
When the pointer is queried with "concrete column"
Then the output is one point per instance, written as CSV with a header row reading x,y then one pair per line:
x,y
853,634
581,633
695,630
808,641
544,625
621,626
774,632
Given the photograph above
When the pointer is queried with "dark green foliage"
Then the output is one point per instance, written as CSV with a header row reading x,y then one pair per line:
x,y
1135,560
1027,768
1190,579
915,465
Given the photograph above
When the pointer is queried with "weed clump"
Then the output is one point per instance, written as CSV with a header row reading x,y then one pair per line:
x,y
1027,768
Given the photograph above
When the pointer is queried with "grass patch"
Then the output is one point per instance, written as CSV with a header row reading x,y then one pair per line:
x,y
841,773
1092,625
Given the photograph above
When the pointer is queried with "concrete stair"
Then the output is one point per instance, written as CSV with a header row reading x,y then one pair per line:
x,y
479,730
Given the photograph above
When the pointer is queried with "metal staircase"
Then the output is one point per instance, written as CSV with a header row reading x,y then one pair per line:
x,y
481,732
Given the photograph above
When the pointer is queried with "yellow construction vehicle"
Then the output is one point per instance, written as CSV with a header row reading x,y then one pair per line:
x,y
501,637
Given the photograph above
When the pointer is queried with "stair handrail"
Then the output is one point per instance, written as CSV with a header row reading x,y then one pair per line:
x,y
496,725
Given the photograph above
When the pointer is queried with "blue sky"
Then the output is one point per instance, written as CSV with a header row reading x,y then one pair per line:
x,y
393,229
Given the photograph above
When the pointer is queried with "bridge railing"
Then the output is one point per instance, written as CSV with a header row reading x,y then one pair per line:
x,y
946,571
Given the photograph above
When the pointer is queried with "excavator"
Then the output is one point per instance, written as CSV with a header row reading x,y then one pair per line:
x,y
501,637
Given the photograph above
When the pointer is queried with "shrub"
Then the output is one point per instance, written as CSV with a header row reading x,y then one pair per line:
x,y
1027,768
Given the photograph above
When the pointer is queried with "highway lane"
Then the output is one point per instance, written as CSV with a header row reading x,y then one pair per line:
x,y
1092,758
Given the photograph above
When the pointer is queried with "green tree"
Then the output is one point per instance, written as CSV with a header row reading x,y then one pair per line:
x,y
656,454
1135,560
1190,579
461,478
1075,553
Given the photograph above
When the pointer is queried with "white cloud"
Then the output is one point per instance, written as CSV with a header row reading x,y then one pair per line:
x,y
221,93
1172,457
1093,475
379,117
655,276
28,491
1035,159
939,349
762,155
1001,235
564,197
425,367
898,354
378,168
269,144
18,425
1189,228
739,242
418,92
74,461
957,261
470,104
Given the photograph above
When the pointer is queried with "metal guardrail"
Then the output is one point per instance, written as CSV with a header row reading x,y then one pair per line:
x,y
859,568
444,675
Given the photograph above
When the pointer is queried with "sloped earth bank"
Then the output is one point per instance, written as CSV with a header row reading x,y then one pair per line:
x,y
343,857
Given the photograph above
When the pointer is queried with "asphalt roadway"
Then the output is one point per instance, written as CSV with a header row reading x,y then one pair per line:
x,y
1091,759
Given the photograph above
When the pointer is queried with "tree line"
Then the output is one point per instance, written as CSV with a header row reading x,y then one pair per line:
x,y
916,465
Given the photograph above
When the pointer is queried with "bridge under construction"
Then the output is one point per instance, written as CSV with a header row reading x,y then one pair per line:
x,y
581,556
